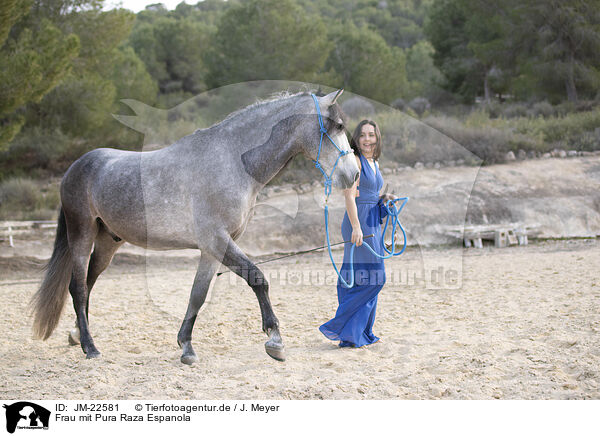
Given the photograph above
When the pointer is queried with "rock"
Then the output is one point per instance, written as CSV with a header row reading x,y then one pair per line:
x,y
387,171
572,153
521,155
435,392
546,156
562,153
510,156
531,154
437,165
419,166
428,165
460,162
450,163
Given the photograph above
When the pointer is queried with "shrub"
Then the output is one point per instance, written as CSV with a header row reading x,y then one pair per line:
x,y
19,193
542,108
420,105
358,108
398,104
23,198
407,140
489,144
514,110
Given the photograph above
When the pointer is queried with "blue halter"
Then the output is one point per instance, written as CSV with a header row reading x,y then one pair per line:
x,y
390,207
323,131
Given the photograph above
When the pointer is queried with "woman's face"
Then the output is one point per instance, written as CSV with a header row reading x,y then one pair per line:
x,y
367,140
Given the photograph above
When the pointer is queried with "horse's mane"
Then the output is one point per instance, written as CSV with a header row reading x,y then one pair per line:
x,y
283,95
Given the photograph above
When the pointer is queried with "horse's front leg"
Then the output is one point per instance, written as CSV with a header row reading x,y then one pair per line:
x,y
206,270
235,259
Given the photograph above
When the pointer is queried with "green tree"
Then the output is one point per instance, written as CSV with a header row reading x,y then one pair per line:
x,y
422,75
83,102
399,22
366,65
75,116
33,60
267,39
130,77
445,29
563,45
172,49
532,48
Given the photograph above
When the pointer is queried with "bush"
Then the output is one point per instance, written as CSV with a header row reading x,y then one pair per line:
x,y
542,108
407,141
19,193
420,105
358,108
488,143
23,198
568,129
514,110
36,148
398,104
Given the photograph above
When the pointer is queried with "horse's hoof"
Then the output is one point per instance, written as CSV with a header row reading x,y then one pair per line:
x,y
93,354
189,359
276,351
74,337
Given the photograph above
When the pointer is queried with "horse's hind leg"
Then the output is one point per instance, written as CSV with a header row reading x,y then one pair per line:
x,y
206,270
81,234
105,247
235,259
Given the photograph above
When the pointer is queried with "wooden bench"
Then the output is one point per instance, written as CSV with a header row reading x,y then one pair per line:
x,y
503,235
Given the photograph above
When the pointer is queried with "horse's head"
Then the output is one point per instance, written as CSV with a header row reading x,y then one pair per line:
x,y
334,121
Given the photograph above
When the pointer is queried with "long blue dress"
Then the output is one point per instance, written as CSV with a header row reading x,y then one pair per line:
x,y
354,318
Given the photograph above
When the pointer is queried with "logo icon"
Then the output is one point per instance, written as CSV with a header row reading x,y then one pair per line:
x,y
25,415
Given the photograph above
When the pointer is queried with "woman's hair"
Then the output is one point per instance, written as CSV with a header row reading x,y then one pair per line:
x,y
356,135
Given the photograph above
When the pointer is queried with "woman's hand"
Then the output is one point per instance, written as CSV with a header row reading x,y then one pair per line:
x,y
357,236
386,197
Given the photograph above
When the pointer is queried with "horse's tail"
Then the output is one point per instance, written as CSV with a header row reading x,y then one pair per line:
x,y
48,302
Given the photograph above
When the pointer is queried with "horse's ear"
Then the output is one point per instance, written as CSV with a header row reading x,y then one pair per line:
x,y
340,91
332,97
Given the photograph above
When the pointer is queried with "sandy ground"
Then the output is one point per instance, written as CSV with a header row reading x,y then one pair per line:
x,y
524,325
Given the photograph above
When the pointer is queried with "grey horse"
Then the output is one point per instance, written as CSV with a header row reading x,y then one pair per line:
x,y
197,193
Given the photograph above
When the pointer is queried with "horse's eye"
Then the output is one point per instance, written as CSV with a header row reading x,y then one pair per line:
x,y
340,126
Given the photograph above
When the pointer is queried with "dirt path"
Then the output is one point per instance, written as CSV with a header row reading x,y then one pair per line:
x,y
525,324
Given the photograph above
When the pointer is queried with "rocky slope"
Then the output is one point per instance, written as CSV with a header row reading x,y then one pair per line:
x,y
559,196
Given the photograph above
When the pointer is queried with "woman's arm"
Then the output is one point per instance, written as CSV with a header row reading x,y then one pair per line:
x,y
349,197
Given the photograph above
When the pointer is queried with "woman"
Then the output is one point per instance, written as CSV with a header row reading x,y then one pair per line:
x,y
354,318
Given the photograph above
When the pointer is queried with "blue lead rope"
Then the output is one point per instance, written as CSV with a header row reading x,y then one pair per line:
x,y
393,212
390,207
